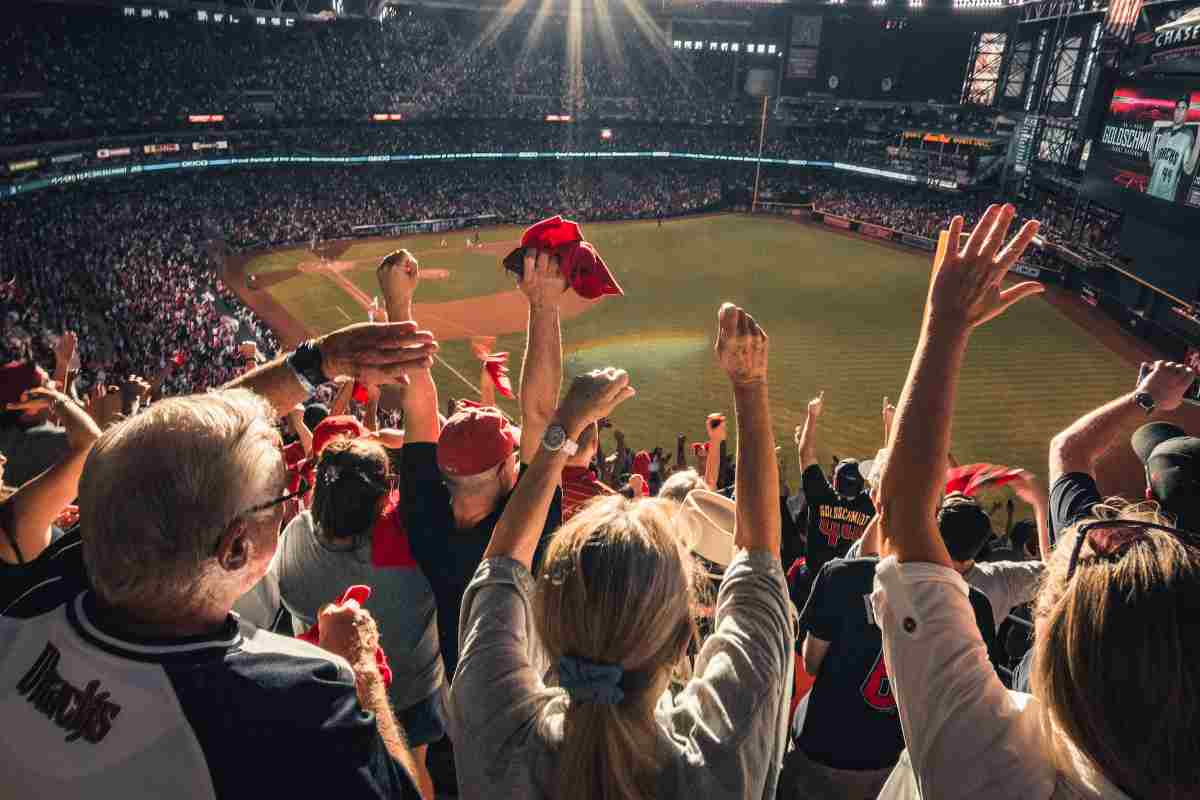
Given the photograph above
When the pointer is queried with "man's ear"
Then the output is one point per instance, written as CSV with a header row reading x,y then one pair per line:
x,y
234,547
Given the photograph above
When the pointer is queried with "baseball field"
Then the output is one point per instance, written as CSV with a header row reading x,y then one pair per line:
x,y
842,313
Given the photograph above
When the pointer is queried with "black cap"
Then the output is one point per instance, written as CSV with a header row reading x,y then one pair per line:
x,y
847,478
1172,461
964,525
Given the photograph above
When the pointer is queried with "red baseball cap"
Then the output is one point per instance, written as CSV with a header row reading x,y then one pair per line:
x,y
16,378
578,261
326,431
331,428
474,440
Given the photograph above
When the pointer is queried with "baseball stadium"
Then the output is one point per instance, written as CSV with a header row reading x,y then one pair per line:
x,y
600,399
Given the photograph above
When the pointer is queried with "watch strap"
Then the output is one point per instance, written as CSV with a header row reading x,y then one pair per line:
x,y
305,362
1145,401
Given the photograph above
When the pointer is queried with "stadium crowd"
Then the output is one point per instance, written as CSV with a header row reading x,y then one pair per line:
x,y
482,606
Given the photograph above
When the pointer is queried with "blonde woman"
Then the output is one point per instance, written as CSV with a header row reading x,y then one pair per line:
x,y
1113,709
612,610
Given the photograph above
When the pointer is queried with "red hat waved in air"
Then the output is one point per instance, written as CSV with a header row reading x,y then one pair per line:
x,y
578,261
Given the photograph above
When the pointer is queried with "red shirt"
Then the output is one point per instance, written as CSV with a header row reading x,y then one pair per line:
x,y
579,485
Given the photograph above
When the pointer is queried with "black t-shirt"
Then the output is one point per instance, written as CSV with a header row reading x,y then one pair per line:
x,y
852,721
448,556
834,523
1071,499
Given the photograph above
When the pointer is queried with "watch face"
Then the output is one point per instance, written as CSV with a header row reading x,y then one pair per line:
x,y
554,438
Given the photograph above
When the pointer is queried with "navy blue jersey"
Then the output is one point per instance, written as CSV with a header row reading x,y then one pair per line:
x,y
852,722
236,713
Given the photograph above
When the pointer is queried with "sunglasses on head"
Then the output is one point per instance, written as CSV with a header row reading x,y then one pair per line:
x,y
1112,537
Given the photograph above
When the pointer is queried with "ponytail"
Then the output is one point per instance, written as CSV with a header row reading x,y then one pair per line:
x,y
613,607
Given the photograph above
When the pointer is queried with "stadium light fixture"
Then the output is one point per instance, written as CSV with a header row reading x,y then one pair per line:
x,y
878,3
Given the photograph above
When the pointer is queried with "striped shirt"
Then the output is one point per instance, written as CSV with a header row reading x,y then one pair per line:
x,y
579,485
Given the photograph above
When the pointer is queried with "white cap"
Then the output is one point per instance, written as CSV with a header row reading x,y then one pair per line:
x,y
705,524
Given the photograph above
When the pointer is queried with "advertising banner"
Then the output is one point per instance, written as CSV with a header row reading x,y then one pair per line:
x,y
151,149
917,241
837,222
221,145
878,231
21,166
112,152
805,46
1151,142
65,158
1176,45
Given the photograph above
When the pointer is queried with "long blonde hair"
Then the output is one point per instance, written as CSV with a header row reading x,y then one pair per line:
x,y
616,587
1116,661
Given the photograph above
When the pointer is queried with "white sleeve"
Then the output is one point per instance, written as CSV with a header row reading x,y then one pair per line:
x,y
953,708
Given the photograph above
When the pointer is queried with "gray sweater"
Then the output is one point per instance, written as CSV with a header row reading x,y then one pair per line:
x,y
725,729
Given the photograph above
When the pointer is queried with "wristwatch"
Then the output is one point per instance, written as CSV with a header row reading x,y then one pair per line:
x,y
555,439
305,362
1145,401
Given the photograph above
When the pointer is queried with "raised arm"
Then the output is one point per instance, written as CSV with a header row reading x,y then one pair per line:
x,y
741,351
41,499
1029,488
541,369
398,275
64,353
295,418
1080,446
712,455
341,400
806,435
964,293
378,353
350,632
590,397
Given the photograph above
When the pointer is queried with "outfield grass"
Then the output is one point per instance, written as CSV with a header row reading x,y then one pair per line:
x,y
842,314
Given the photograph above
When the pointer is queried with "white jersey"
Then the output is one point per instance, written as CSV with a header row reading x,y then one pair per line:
x,y
1171,151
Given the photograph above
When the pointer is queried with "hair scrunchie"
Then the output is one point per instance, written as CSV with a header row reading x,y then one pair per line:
x,y
589,682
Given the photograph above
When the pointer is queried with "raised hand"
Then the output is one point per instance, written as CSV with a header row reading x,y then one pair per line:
x,y
1167,382
398,275
64,351
965,289
889,414
715,424
135,392
817,404
377,353
82,431
1026,487
540,281
594,395
349,631
104,404
741,346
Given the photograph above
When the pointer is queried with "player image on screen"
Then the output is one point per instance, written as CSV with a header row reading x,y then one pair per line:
x,y
1172,152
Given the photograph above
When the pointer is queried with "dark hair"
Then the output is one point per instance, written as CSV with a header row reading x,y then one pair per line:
x,y
314,414
1023,530
964,525
352,476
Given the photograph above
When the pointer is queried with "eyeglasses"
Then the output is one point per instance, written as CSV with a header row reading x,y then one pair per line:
x,y
278,500
1111,537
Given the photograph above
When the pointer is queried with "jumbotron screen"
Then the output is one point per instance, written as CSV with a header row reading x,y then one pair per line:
x,y
1150,143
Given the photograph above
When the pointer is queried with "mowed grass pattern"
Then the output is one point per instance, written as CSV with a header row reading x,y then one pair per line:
x,y
842,314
